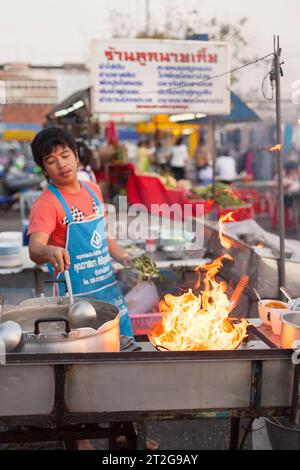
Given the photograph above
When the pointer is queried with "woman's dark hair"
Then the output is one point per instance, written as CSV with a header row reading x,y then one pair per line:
x,y
179,140
84,154
290,166
47,140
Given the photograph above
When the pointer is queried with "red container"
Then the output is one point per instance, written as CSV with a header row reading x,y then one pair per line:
x,y
141,322
195,201
238,213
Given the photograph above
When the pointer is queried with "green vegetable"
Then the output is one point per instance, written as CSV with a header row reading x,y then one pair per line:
x,y
223,196
147,269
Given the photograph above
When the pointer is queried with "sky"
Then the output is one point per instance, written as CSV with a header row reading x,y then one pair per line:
x,y
58,31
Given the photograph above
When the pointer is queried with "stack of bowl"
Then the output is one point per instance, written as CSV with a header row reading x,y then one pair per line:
x,y
271,311
10,249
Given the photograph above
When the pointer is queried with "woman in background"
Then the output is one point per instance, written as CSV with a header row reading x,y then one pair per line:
x,y
179,159
85,172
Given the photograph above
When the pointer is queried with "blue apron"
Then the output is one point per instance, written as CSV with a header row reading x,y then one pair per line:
x,y
91,271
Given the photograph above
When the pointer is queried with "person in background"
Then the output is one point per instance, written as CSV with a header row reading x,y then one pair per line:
x,y
143,157
293,155
205,173
245,163
151,148
262,164
162,156
291,177
291,182
85,172
225,167
179,159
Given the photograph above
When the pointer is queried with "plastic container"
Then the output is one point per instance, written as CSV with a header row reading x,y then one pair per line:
x,y
142,322
238,213
283,434
142,298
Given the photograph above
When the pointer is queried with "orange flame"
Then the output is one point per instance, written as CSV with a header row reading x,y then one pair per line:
x,y
260,245
225,241
191,323
276,148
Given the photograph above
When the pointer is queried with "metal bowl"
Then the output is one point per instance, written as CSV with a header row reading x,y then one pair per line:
x,y
290,330
174,252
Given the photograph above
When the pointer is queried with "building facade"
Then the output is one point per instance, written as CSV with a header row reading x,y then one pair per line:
x,y
28,92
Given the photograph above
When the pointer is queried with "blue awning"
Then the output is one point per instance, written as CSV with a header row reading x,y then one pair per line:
x,y
240,112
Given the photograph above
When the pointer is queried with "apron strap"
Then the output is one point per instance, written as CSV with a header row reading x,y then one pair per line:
x,y
92,193
56,193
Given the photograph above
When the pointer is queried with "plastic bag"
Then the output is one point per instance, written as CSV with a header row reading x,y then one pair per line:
x,y
142,298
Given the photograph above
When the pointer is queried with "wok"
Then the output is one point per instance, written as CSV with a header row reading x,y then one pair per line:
x,y
46,328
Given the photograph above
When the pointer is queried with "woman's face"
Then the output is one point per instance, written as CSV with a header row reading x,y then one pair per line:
x,y
61,166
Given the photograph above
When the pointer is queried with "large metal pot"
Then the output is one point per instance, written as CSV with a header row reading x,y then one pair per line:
x,y
45,327
290,331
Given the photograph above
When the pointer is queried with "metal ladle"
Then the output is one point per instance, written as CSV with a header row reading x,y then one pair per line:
x,y
257,294
10,332
81,314
294,303
285,292
10,335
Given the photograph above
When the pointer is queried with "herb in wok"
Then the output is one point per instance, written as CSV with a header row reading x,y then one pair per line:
x,y
147,269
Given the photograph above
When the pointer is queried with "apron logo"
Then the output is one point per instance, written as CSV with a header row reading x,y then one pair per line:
x,y
96,240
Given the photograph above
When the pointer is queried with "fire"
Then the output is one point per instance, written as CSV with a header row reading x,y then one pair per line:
x,y
260,245
276,148
193,323
224,219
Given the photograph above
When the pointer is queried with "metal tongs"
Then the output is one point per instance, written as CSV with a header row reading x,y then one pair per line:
x,y
294,303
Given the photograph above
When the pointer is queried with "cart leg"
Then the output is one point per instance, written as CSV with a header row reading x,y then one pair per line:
x,y
70,444
130,435
234,433
141,435
112,440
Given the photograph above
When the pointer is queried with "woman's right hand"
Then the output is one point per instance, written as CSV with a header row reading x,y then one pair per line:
x,y
58,258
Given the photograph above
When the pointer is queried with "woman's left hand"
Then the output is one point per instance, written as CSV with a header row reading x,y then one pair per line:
x,y
125,261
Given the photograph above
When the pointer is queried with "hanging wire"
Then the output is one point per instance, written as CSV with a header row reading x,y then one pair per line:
x,y
248,428
229,72
269,74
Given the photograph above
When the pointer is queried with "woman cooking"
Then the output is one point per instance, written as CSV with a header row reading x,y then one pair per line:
x,y
67,225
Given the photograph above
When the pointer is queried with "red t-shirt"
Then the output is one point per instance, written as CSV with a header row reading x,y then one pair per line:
x,y
48,215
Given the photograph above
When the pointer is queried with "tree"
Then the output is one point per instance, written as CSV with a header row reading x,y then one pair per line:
x,y
180,26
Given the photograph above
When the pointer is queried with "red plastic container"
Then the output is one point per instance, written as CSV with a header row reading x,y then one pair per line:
x,y
141,322
194,201
238,213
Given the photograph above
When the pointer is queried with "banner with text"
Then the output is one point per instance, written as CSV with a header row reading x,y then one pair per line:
x,y
160,76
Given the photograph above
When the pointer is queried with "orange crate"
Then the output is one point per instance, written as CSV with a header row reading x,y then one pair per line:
x,y
141,322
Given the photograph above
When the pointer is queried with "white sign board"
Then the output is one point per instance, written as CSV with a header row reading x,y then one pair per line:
x,y
160,76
